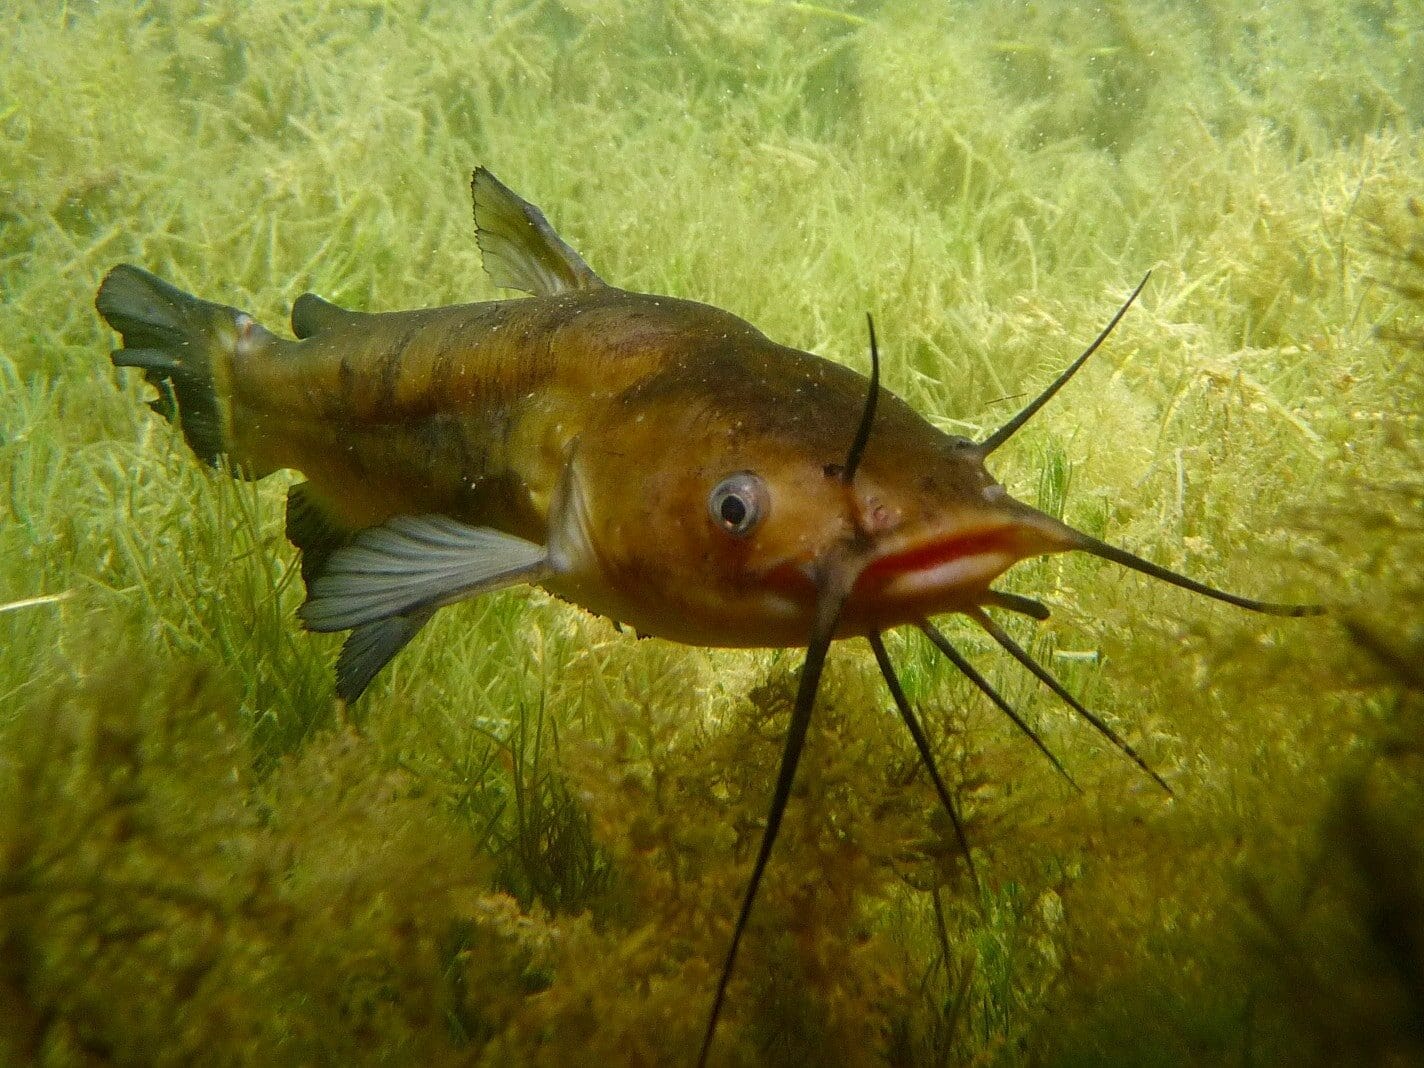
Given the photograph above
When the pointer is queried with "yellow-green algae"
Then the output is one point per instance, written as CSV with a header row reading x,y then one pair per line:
x,y
528,843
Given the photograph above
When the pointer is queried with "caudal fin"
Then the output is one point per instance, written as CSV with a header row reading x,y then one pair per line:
x,y
184,347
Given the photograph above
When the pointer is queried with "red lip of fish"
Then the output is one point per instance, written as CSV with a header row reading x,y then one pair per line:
x,y
934,555
909,583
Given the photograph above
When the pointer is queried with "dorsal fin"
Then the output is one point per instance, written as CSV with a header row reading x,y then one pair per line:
x,y
521,249
311,315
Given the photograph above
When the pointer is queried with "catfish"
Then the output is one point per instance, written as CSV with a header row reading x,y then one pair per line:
x,y
655,460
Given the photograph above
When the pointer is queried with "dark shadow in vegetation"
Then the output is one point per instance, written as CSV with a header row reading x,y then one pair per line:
x,y
160,905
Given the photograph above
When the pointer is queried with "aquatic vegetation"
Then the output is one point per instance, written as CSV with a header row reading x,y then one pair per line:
x,y
529,839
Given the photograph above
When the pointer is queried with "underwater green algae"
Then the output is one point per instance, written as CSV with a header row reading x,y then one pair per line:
x,y
529,841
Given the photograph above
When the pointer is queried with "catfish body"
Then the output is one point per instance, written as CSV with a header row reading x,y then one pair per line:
x,y
468,410
585,419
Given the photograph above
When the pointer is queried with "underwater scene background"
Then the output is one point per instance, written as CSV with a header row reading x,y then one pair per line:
x,y
527,843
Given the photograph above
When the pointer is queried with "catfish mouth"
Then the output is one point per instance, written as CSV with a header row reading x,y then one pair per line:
x,y
950,569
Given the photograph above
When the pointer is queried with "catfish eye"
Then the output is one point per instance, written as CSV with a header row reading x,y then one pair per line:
x,y
738,503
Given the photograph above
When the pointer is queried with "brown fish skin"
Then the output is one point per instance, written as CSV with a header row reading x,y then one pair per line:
x,y
468,410
465,410
788,417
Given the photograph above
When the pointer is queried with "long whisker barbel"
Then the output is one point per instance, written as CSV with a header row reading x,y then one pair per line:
x,y
834,582
998,437
831,599
1020,654
971,673
922,743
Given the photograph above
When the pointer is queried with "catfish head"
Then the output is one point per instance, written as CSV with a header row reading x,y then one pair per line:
x,y
909,525
717,499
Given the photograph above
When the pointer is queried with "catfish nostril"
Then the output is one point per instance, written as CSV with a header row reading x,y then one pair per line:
x,y
880,516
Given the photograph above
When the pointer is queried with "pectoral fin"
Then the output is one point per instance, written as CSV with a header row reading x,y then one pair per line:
x,y
410,564
521,249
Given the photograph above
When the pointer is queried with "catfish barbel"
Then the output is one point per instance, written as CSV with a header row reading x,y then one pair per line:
x,y
658,461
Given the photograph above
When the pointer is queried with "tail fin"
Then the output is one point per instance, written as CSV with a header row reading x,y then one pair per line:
x,y
184,347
